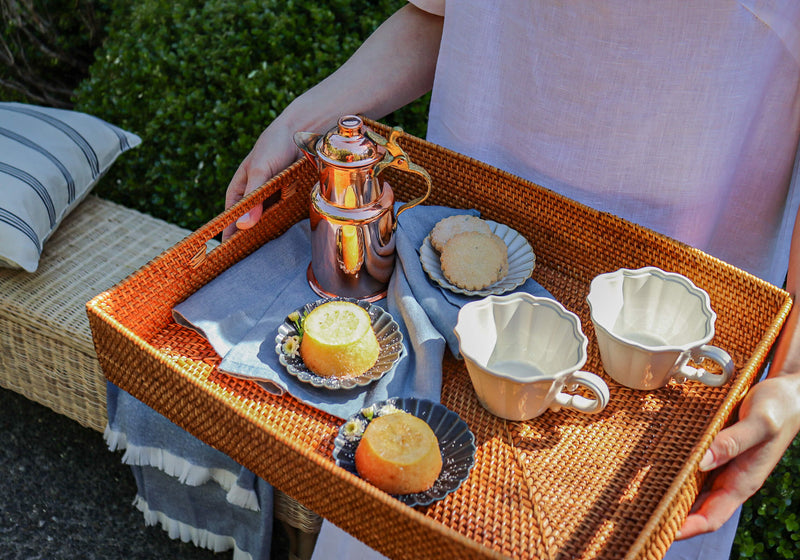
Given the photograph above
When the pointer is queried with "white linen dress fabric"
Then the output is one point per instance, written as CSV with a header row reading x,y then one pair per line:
x,y
680,116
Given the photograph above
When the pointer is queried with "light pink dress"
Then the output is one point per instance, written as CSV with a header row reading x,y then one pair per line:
x,y
680,116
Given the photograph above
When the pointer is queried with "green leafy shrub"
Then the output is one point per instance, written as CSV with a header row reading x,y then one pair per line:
x,y
199,81
770,524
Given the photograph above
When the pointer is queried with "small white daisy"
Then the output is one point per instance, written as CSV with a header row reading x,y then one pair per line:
x,y
388,408
368,412
291,347
353,429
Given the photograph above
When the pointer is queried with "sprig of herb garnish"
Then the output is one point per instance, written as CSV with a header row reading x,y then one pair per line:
x,y
298,320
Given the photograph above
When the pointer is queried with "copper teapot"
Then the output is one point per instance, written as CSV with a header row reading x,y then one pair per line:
x,y
352,211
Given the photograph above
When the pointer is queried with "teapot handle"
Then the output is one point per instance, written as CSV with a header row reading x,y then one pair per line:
x,y
396,157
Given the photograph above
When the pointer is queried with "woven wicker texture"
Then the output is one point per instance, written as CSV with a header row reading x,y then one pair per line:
x,y
614,485
46,350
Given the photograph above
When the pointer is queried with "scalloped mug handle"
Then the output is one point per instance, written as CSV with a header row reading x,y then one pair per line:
x,y
590,381
715,354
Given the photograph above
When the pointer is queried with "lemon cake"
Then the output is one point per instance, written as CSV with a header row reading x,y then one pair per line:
x,y
399,453
338,340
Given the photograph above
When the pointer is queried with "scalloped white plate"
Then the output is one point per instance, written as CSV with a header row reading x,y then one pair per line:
x,y
521,262
386,330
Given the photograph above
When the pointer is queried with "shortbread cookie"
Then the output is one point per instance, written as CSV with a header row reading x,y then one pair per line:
x,y
446,228
473,260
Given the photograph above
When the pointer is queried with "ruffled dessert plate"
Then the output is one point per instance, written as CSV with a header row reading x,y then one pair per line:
x,y
521,262
387,331
456,443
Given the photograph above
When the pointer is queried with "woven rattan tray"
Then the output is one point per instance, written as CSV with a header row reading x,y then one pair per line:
x,y
615,485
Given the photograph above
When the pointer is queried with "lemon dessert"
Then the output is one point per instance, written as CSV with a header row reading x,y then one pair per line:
x,y
338,340
399,453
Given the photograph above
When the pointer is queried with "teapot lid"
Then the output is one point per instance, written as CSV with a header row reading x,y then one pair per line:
x,y
347,145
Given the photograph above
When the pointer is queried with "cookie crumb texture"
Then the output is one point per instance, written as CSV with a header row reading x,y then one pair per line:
x,y
474,260
446,228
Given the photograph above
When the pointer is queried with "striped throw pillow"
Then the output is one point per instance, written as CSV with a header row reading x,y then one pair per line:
x,y
50,159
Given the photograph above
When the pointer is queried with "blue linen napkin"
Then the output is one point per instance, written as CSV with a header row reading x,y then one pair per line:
x,y
239,312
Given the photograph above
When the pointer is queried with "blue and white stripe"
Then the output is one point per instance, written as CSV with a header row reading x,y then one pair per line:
x,y
49,160
86,148
8,217
70,181
37,186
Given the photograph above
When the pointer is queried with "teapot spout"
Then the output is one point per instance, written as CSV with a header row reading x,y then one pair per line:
x,y
307,142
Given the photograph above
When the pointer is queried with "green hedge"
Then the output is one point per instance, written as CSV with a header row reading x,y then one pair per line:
x,y
770,524
200,81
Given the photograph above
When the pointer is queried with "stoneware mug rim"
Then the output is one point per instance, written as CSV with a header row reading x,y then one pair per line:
x,y
511,299
691,287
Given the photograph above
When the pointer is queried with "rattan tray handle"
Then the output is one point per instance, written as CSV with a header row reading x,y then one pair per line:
x,y
271,193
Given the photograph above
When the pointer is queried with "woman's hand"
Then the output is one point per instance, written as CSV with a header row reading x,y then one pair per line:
x,y
273,151
374,82
746,452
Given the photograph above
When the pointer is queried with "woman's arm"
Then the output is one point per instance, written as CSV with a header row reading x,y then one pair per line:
x,y
393,67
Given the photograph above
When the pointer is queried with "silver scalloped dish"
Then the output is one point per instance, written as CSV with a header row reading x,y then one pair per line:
x,y
456,443
387,331
521,262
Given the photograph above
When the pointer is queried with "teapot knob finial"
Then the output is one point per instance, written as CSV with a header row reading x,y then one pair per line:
x,y
350,125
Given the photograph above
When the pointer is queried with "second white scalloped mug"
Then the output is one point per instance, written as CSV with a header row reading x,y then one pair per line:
x,y
649,323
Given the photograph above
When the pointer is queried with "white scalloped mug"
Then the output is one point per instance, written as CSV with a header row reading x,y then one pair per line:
x,y
649,323
524,355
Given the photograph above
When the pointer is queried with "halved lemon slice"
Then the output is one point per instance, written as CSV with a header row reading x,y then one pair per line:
x,y
338,340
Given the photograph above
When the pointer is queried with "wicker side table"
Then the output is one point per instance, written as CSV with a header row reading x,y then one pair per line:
x,y
46,348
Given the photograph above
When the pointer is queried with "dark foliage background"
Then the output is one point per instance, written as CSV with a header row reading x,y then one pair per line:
x,y
46,48
199,81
